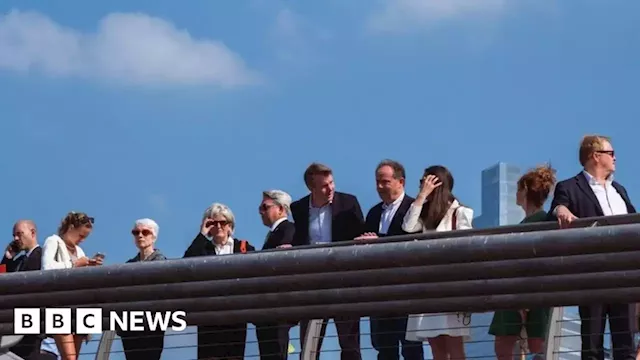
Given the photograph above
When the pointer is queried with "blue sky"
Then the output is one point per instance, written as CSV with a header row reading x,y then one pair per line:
x,y
131,109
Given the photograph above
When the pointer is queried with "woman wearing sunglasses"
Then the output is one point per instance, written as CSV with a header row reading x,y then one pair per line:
x,y
148,344
220,342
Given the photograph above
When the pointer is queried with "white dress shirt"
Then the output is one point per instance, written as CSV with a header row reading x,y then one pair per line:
x,y
319,223
610,200
225,249
388,212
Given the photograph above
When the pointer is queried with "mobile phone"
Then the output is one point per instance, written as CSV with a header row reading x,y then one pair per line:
x,y
15,247
98,255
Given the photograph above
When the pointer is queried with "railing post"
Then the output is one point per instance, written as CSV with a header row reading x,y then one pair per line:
x,y
310,349
553,341
104,348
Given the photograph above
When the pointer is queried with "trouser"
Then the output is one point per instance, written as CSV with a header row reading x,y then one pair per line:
x,y
222,342
621,323
273,341
348,330
146,345
28,347
387,333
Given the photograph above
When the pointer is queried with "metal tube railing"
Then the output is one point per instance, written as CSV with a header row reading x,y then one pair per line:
x,y
394,254
476,270
501,269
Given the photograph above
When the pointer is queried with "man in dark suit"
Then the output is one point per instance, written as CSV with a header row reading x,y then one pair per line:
x,y
385,219
25,240
273,338
326,216
594,193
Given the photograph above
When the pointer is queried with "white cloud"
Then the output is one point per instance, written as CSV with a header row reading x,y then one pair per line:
x,y
408,15
127,48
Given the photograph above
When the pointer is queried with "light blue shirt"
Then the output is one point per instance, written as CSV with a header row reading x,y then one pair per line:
x,y
319,224
49,345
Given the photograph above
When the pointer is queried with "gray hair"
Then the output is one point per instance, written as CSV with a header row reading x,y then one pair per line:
x,y
149,223
220,209
279,197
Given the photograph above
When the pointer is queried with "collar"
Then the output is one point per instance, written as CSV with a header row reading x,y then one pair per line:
x,y
228,243
322,207
395,203
276,223
30,251
592,180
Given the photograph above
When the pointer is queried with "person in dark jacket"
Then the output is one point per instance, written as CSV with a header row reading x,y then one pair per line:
x,y
25,240
145,345
220,342
273,338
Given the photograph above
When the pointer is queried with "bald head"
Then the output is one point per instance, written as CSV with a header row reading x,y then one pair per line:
x,y
24,234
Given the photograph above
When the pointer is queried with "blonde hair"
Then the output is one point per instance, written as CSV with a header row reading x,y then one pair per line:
x,y
76,220
589,145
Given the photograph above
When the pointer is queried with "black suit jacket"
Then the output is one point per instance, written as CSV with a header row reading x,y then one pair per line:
x,y
347,221
33,262
576,194
29,345
372,224
283,234
201,246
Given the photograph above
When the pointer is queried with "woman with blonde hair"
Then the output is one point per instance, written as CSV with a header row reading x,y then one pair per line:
x,y
62,251
533,189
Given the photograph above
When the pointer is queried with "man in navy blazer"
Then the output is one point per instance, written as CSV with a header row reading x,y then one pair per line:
x,y
593,192
326,216
385,219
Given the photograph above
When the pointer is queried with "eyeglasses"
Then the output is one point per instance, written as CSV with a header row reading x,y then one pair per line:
x,y
217,223
609,152
144,232
265,207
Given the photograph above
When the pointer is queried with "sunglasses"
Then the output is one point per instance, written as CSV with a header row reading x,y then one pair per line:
x,y
265,207
144,232
609,152
217,223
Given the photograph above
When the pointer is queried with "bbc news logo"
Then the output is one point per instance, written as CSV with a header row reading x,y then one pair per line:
x,y
90,321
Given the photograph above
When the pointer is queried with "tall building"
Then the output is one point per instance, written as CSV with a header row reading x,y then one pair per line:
x,y
498,207
499,187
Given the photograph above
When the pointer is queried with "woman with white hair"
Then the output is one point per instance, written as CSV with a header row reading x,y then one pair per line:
x,y
146,345
216,238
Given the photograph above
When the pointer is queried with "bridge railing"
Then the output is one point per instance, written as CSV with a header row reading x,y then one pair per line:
x,y
476,270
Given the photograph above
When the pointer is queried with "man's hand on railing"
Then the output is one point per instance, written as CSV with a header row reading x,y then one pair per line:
x,y
367,236
565,217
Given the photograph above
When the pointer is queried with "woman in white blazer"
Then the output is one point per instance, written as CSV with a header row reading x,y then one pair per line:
x,y
61,251
436,209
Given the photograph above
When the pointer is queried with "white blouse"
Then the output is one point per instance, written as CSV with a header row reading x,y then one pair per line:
x,y
55,254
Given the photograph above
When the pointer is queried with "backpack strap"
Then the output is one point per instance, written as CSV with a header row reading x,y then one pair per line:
x,y
243,246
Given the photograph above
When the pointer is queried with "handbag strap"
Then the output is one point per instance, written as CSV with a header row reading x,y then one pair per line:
x,y
454,219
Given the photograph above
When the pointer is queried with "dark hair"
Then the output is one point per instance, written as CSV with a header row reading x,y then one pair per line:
x,y
398,169
440,199
315,169
537,184
76,220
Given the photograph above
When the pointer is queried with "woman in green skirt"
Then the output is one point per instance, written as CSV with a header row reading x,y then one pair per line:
x,y
533,189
